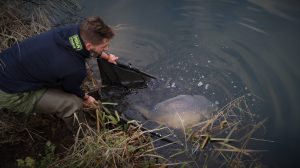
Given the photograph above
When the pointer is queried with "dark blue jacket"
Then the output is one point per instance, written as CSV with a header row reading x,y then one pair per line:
x,y
54,59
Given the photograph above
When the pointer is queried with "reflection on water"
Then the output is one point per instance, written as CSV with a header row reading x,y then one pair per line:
x,y
276,7
219,49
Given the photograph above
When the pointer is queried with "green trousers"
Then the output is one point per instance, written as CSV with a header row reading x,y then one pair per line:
x,y
20,102
62,104
51,101
58,102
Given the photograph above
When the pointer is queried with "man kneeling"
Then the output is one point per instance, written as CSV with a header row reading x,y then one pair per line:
x,y
44,73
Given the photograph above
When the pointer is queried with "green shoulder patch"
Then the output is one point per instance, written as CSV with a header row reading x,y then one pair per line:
x,y
75,42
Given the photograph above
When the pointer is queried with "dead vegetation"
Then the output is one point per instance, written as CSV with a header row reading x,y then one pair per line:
x,y
229,136
20,19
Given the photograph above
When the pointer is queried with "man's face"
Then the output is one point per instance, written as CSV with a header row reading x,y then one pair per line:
x,y
98,48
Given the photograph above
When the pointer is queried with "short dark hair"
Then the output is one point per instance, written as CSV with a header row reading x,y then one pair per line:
x,y
94,30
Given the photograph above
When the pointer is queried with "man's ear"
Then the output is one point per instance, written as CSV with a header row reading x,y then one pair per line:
x,y
89,46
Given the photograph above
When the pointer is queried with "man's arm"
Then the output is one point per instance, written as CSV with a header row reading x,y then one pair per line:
x,y
72,84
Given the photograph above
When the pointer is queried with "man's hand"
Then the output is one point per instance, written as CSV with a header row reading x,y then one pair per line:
x,y
109,57
88,100
112,58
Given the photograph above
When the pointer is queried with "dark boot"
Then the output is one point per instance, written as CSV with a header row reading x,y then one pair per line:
x,y
77,124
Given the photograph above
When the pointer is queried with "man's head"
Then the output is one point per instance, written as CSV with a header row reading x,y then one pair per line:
x,y
95,34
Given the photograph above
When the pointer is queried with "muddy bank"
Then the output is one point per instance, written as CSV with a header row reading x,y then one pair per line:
x,y
26,136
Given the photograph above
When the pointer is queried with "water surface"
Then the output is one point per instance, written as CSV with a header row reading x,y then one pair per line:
x,y
219,49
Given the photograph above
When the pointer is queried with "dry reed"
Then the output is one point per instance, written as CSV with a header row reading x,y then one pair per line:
x,y
225,137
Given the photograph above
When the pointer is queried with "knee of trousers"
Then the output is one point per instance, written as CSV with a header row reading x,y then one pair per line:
x,y
58,102
70,106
